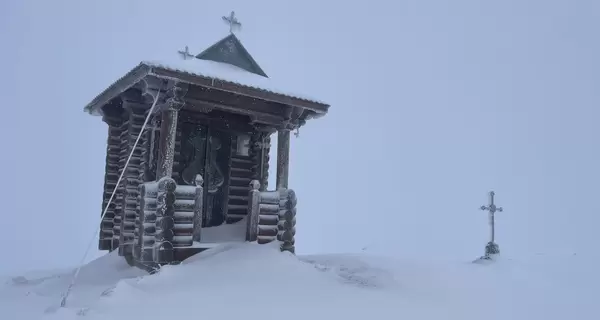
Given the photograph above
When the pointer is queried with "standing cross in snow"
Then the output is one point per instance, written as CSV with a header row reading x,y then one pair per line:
x,y
491,248
186,54
232,21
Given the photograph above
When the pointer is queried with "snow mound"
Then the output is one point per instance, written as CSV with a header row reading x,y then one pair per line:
x,y
253,281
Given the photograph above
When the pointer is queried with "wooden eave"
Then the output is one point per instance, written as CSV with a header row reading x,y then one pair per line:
x,y
143,70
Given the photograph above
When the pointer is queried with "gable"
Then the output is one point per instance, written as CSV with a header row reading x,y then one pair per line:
x,y
231,51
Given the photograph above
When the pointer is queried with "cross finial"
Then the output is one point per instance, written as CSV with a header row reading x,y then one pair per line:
x,y
186,54
232,21
491,207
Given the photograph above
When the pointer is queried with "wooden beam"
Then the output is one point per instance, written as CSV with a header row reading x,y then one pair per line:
x,y
283,158
219,123
240,89
168,130
255,116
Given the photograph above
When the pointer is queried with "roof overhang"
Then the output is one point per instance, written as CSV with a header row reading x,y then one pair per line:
x,y
146,69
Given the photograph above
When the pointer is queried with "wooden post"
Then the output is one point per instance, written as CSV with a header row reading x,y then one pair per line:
x,y
168,130
283,158
253,211
198,205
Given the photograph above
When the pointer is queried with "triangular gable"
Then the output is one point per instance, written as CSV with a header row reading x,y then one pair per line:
x,y
231,51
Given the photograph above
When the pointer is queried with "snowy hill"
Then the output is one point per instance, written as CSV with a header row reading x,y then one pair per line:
x,y
251,281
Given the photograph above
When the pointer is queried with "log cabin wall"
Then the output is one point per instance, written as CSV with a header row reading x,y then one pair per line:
x,y
148,142
244,169
127,192
111,175
145,230
241,168
121,223
261,146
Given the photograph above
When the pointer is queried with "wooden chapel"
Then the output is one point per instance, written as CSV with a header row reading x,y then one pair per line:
x,y
198,174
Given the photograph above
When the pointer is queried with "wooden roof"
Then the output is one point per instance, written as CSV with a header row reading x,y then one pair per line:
x,y
207,77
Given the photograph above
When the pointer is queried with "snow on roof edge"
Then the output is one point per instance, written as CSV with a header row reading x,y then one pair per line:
x,y
144,68
119,86
224,72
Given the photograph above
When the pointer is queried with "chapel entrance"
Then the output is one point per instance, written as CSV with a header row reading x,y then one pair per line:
x,y
207,152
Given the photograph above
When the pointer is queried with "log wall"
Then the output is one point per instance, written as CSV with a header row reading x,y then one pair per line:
x,y
111,175
128,192
261,146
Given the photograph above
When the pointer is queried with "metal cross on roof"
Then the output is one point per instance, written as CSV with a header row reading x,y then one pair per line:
x,y
232,21
492,209
186,54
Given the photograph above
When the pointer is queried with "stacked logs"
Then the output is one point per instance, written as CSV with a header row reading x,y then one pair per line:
x,y
264,214
128,188
183,217
241,168
168,217
287,220
272,216
260,143
111,177
145,230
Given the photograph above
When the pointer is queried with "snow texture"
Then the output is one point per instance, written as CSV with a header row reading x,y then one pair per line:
x,y
246,280
226,72
224,233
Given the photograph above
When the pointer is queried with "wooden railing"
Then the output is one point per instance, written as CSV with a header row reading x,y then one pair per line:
x,y
272,216
169,216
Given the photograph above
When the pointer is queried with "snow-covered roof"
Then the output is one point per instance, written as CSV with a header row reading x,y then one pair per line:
x,y
217,73
230,73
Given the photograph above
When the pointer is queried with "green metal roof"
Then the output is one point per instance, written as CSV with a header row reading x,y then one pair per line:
x,y
231,51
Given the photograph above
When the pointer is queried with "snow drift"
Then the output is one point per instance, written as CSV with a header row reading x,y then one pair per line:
x,y
251,281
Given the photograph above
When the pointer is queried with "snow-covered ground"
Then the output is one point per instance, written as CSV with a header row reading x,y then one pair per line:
x,y
250,281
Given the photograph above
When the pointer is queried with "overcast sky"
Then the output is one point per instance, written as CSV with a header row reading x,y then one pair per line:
x,y
433,104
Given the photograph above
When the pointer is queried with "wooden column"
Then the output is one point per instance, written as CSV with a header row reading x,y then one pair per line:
x,y
253,211
168,130
166,145
283,158
198,206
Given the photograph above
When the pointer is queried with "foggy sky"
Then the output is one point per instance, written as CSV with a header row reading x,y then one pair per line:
x,y
433,104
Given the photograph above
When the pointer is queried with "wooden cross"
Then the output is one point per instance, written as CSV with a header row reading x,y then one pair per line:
x,y
492,209
186,54
232,21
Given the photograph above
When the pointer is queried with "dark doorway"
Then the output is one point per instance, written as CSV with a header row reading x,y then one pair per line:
x,y
207,152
